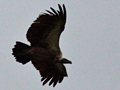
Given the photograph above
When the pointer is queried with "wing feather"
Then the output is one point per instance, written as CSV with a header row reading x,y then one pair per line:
x,y
49,12
60,8
65,14
54,11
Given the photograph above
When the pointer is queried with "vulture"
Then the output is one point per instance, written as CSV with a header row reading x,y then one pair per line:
x,y
44,51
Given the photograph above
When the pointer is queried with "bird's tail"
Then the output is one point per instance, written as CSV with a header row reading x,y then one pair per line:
x,y
19,52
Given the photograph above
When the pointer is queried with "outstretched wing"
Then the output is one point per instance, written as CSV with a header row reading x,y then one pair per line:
x,y
55,74
51,73
46,29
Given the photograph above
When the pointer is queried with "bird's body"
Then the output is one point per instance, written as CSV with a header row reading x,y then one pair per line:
x,y
44,51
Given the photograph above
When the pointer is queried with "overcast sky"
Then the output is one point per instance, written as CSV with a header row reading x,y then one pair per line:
x,y
91,40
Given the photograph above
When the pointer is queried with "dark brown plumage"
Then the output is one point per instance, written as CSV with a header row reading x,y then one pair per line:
x,y
44,51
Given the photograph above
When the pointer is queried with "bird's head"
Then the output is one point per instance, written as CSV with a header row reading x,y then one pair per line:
x,y
63,61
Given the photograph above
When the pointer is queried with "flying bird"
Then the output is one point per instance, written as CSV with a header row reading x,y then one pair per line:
x,y
44,51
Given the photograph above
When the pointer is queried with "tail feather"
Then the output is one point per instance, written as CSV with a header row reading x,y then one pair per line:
x,y
19,52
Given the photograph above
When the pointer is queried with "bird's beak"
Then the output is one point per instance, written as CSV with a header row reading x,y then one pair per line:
x,y
69,62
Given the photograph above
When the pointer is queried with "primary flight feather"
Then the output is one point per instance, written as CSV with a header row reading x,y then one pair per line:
x,y
44,51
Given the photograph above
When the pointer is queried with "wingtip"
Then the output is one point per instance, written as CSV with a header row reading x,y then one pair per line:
x,y
62,10
58,4
63,5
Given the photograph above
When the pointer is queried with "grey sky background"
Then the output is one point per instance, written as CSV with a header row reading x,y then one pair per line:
x,y
91,40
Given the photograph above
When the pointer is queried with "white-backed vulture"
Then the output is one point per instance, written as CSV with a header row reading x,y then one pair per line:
x,y
44,51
